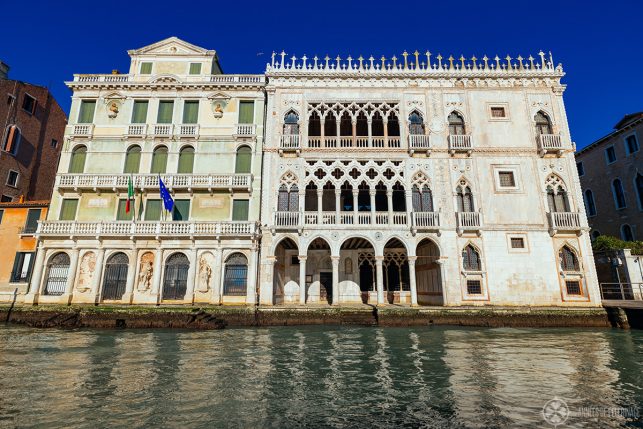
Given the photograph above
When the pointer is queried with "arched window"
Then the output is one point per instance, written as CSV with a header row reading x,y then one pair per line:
x,y
11,139
471,259
57,273
159,160
115,278
416,124
314,125
175,281
186,160
464,197
626,233
543,125
556,195
393,125
568,260
638,184
77,161
132,160
619,194
235,279
288,199
422,199
595,234
291,123
589,203
456,124
244,160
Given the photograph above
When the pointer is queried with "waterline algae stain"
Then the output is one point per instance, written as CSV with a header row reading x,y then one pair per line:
x,y
322,376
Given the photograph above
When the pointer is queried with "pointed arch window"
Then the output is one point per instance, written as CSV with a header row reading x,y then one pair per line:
x,y
422,199
619,194
543,124
626,233
570,267
456,124
590,205
291,123
416,124
568,260
77,161
464,197
186,160
132,160
288,199
471,259
557,199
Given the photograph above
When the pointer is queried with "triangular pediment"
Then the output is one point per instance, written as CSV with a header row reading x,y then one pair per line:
x,y
171,46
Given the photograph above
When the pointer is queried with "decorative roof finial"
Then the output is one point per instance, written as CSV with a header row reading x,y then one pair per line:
x,y
531,62
439,57
417,62
327,59
542,59
486,62
497,60
371,59
303,60
451,62
272,63
519,58
361,62
474,63
508,58
394,58
283,59
406,62
428,59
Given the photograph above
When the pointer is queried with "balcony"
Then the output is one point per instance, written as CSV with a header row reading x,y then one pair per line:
x,y
188,131
82,131
334,142
137,130
287,220
564,222
295,220
418,142
426,221
145,229
161,130
245,130
460,143
468,222
143,182
289,143
227,79
550,143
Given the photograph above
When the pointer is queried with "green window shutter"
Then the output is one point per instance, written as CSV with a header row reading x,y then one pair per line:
x,y
186,160
244,160
240,209
32,220
195,68
121,214
159,160
181,210
246,112
139,112
166,109
132,160
86,114
190,112
146,68
153,210
68,209
77,162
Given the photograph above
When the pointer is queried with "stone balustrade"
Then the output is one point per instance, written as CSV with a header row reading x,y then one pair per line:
x,y
468,221
290,142
549,143
564,221
297,220
460,143
81,130
334,142
245,130
240,80
76,182
419,142
426,220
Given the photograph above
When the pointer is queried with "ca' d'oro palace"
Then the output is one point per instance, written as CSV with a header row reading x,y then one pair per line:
x,y
414,180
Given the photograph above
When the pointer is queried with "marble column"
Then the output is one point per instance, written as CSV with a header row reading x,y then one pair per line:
x,y
251,292
338,201
216,277
320,199
412,281
409,206
71,275
156,280
355,206
335,262
131,276
372,195
267,284
389,199
36,276
379,273
302,279
189,292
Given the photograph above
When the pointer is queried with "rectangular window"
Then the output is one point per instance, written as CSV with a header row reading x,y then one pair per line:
x,y
139,112
246,112
68,209
121,213
581,169
6,199
12,178
22,266
631,144
610,155
240,209
573,287
166,109
181,210
86,112
507,179
32,221
1,214
474,287
190,112
146,68
29,104
153,210
498,112
54,143
195,68
517,243
11,140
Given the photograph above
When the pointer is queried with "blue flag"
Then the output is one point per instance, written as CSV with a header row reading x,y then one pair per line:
x,y
168,202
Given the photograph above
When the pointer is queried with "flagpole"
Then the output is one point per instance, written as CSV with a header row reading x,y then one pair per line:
x,y
133,197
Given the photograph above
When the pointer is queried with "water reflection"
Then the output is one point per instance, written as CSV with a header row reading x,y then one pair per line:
x,y
315,377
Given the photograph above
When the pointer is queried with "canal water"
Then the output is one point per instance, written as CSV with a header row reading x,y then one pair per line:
x,y
315,377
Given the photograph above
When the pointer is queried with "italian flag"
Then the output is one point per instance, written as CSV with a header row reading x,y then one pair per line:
x,y
130,195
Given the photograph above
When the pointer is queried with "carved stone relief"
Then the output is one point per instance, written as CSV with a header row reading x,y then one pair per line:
x,y
86,272
146,272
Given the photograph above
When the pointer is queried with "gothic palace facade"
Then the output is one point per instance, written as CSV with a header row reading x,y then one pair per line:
x,y
417,180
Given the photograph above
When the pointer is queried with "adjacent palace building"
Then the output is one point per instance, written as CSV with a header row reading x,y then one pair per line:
x,y
412,180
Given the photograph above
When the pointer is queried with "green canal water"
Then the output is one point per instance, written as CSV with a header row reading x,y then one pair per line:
x,y
317,377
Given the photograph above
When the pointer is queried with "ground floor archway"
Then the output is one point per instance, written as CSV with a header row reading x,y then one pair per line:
x,y
428,273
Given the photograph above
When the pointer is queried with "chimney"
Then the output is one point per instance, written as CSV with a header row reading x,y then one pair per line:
x,y
4,70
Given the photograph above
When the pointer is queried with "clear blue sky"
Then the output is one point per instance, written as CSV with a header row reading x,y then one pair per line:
x,y
599,43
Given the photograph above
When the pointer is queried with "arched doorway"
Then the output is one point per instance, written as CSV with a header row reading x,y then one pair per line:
x,y
357,271
397,286
320,289
115,278
57,273
285,286
175,281
428,276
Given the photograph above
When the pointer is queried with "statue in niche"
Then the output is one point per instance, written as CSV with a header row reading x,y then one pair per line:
x,y
205,272
113,110
218,110
146,272
86,272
